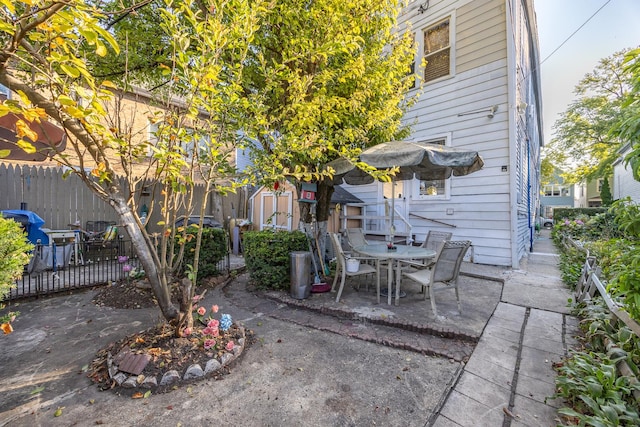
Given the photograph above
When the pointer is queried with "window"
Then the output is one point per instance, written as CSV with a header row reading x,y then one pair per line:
x,y
412,67
437,51
555,190
434,188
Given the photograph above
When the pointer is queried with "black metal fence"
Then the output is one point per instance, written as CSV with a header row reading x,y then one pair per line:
x,y
59,268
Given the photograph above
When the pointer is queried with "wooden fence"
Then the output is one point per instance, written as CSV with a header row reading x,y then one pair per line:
x,y
62,201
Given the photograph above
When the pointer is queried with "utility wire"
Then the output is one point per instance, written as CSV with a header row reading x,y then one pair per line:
x,y
574,33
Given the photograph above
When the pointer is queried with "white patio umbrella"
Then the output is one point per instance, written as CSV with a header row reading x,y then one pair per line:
x,y
420,160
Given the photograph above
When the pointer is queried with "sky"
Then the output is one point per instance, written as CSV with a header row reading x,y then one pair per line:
x,y
615,27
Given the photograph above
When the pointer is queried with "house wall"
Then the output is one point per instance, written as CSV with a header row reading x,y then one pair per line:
x,y
494,65
62,201
624,185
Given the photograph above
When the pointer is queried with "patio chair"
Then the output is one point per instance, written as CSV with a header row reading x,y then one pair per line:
x,y
341,268
432,241
99,234
445,269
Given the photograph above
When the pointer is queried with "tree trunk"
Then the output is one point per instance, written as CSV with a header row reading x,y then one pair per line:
x,y
316,228
141,245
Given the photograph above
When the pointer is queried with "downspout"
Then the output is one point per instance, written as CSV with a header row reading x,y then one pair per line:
x,y
529,195
511,10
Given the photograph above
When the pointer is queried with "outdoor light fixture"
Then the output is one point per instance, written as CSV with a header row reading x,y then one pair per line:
x,y
423,7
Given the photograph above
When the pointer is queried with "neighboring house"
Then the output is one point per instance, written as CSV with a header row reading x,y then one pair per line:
x,y
624,185
131,112
594,188
481,92
558,194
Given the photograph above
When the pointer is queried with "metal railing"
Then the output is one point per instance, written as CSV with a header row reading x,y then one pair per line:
x,y
59,268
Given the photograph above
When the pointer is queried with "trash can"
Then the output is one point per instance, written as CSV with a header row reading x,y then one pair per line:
x,y
300,274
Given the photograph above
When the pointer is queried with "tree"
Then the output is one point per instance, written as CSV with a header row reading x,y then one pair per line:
x,y
43,59
628,128
325,80
605,193
583,145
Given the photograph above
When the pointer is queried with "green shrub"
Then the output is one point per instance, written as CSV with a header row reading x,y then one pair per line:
x,y
213,249
267,256
14,255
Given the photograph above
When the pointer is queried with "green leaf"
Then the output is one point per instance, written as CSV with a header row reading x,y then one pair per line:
x,y
37,390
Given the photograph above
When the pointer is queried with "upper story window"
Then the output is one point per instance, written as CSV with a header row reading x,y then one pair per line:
x,y
437,50
556,190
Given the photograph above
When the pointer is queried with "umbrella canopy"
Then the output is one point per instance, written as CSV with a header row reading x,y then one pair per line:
x,y
51,139
420,160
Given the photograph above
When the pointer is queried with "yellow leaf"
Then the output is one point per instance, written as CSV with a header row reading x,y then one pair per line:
x,y
26,146
23,129
109,84
66,100
58,411
4,153
9,5
101,50
147,394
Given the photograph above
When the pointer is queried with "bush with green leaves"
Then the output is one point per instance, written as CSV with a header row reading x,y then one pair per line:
x,y
267,256
14,255
589,380
213,249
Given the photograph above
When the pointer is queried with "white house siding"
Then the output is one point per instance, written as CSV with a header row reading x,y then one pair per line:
x,y
479,205
623,183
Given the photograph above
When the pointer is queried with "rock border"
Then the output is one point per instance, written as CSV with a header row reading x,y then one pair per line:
x,y
171,377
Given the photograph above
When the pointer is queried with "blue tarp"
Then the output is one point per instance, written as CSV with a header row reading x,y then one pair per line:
x,y
31,223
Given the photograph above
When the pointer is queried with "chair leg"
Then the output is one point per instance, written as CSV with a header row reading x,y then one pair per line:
x,y
335,279
433,301
378,280
344,274
458,297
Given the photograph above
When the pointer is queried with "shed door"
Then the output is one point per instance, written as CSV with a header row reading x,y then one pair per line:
x,y
277,210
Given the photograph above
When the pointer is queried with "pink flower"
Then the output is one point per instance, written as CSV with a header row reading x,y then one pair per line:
x,y
195,298
213,323
187,331
207,331
210,343
215,332
230,346
202,311
127,268
214,308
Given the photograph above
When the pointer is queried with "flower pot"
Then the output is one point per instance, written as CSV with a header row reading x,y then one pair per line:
x,y
353,265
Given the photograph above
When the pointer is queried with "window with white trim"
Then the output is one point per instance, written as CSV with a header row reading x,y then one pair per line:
x,y
188,143
437,50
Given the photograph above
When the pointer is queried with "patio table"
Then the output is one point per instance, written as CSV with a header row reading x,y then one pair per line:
x,y
401,252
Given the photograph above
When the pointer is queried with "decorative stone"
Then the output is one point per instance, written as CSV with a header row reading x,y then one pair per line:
x,y
193,371
170,377
120,378
131,382
226,358
149,382
237,350
212,366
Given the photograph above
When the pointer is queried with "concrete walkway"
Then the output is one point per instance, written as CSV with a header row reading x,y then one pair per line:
x,y
317,361
509,378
